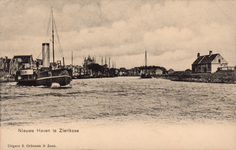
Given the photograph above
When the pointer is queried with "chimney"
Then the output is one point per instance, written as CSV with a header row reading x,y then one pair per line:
x,y
210,52
45,54
198,54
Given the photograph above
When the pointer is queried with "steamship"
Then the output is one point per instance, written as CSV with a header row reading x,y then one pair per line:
x,y
46,74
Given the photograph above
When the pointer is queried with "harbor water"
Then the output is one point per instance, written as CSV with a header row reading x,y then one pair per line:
x,y
123,105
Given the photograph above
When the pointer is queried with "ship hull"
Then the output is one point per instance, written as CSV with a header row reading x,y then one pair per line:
x,y
47,81
44,77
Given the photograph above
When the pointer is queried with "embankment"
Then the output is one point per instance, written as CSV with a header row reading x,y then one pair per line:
x,y
5,77
217,77
3,73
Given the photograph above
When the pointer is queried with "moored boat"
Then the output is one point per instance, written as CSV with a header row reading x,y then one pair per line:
x,y
44,76
143,75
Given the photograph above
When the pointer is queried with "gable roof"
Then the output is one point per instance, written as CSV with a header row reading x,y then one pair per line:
x,y
24,58
8,60
205,59
5,60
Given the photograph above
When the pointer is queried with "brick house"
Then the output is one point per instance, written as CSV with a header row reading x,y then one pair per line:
x,y
152,70
208,63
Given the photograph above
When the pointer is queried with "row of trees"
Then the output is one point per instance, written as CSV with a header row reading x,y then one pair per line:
x,y
101,70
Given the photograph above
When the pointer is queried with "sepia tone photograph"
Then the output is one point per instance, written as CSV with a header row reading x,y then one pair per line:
x,y
117,74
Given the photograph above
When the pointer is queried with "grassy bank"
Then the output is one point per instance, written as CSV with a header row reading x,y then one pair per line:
x,y
217,77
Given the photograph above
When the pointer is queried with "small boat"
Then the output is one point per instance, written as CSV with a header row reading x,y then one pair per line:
x,y
47,74
145,75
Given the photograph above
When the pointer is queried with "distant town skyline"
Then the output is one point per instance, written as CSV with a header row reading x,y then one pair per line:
x,y
173,32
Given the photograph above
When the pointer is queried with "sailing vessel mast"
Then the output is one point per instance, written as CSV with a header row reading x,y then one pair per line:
x,y
72,58
145,60
52,38
145,57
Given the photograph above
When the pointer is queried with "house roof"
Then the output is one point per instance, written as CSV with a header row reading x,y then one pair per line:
x,y
122,69
205,59
24,58
8,60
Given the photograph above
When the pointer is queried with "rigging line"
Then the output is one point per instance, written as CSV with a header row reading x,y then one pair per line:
x,y
58,39
49,21
46,35
39,55
57,46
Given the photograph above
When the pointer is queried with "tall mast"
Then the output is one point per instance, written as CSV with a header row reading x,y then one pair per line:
x,y
145,57
52,39
109,62
72,58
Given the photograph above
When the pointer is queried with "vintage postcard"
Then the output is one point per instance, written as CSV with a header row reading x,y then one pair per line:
x,y
117,74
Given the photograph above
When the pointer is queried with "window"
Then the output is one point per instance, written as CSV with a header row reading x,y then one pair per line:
x,y
219,60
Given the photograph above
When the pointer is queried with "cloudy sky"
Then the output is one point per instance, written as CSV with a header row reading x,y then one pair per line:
x,y
173,32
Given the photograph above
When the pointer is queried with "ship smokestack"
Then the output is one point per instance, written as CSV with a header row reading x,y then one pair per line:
x,y
45,54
